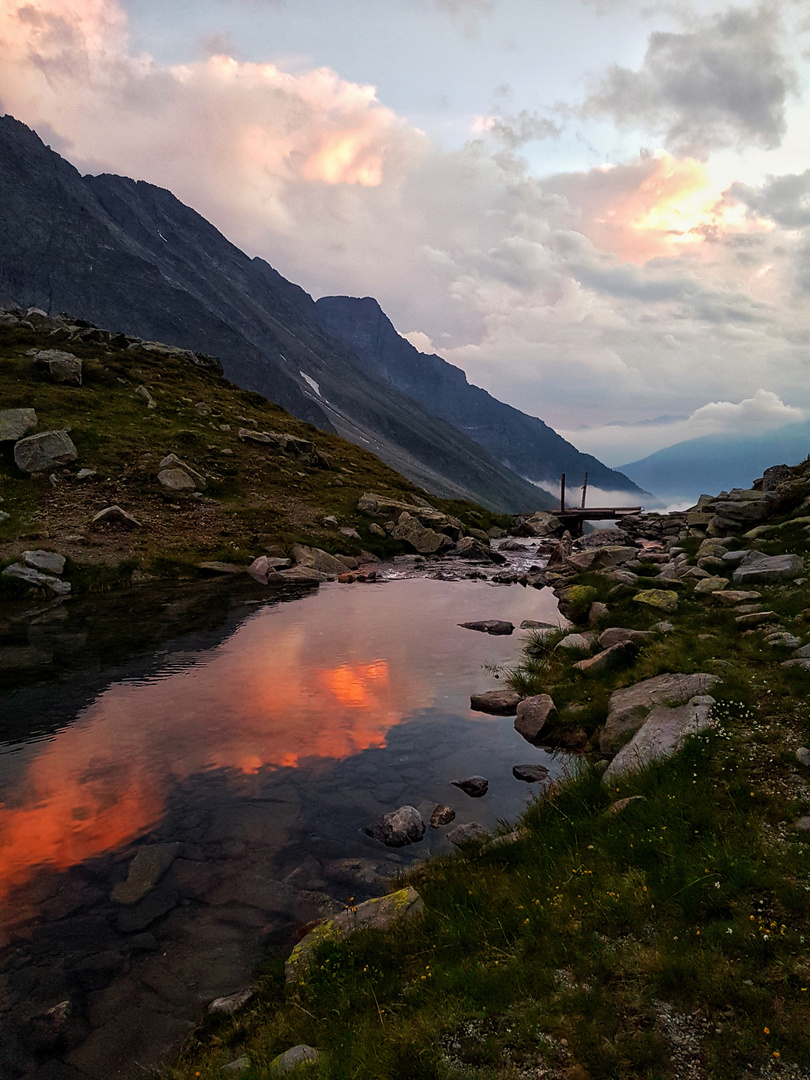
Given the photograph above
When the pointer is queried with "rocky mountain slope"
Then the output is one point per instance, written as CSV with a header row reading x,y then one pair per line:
x,y
130,256
523,443
128,460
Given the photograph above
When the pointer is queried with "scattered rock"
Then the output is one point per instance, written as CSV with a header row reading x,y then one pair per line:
x,y
803,756
38,453
142,393
617,655
663,627
803,665
35,577
378,914
86,474
467,832
532,715
662,735
470,548
50,562
62,367
630,706
531,774
731,597
292,1058
576,642
146,869
756,618
663,599
15,424
442,815
803,824
622,804
711,585
474,786
757,567
114,515
783,640
533,624
316,559
490,626
803,652
232,1002
215,568
241,1064
598,612
496,702
420,539
400,827
176,480
617,635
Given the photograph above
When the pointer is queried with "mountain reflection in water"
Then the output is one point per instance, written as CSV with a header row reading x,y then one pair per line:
x,y
326,677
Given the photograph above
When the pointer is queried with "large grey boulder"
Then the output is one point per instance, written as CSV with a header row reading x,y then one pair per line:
x,y
49,562
470,548
543,524
418,537
37,453
317,559
629,707
376,914
662,735
532,715
614,635
35,577
176,480
16,424
62,367
172,461
400,827
757,568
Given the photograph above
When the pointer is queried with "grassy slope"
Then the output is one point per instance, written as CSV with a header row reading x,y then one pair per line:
x,y
255,497
666,941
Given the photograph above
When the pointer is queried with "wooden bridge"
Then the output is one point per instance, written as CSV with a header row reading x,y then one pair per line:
x,y
574,518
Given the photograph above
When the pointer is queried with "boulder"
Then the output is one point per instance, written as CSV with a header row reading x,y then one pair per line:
x,y
530,774
661,599
496,702
232,1003
176,480
618,655
629,707
442,815
115,515
466,833
662,735
376,914
34,577
774,476
470,548
317,559
49,562
15,424
172,461
474,786
532,715
490,626
420,539
615,635
577,642
144,395
292,1058
711,585
730,597
757,568
37,453
400,827
756,618
543,524
62,367
145,871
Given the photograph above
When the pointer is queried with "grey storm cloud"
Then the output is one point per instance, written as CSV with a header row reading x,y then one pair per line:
x,y
722,83
783,199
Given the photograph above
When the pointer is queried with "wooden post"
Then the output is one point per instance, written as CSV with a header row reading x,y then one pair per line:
x,y
584,490
562,492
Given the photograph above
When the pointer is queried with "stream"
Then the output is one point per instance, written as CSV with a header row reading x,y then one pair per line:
x,y
250,735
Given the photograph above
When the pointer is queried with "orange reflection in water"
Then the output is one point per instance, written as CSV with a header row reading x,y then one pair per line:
x,y
260,699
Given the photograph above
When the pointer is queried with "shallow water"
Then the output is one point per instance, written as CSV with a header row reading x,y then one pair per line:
x,y
262,748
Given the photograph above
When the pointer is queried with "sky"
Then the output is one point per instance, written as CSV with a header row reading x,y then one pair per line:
x,y
599,209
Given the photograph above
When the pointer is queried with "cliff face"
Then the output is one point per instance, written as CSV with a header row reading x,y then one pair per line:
x,y
524,443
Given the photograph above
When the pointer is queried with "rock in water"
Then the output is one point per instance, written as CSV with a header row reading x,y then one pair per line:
x,y
474,786
532,714
496,702
145,870
490,626
531,774
467,832
400,827
442,815
37,453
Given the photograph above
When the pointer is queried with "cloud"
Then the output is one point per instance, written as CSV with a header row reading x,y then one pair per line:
x,y
618,443
723,83
783,199
513,132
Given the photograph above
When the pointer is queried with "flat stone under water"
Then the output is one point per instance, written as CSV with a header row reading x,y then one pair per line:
x,y
249,754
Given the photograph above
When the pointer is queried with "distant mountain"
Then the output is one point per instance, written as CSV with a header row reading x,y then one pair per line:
x,y
523,443
712,463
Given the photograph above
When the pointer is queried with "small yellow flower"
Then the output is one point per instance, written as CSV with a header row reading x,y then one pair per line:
x,y
767,1031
